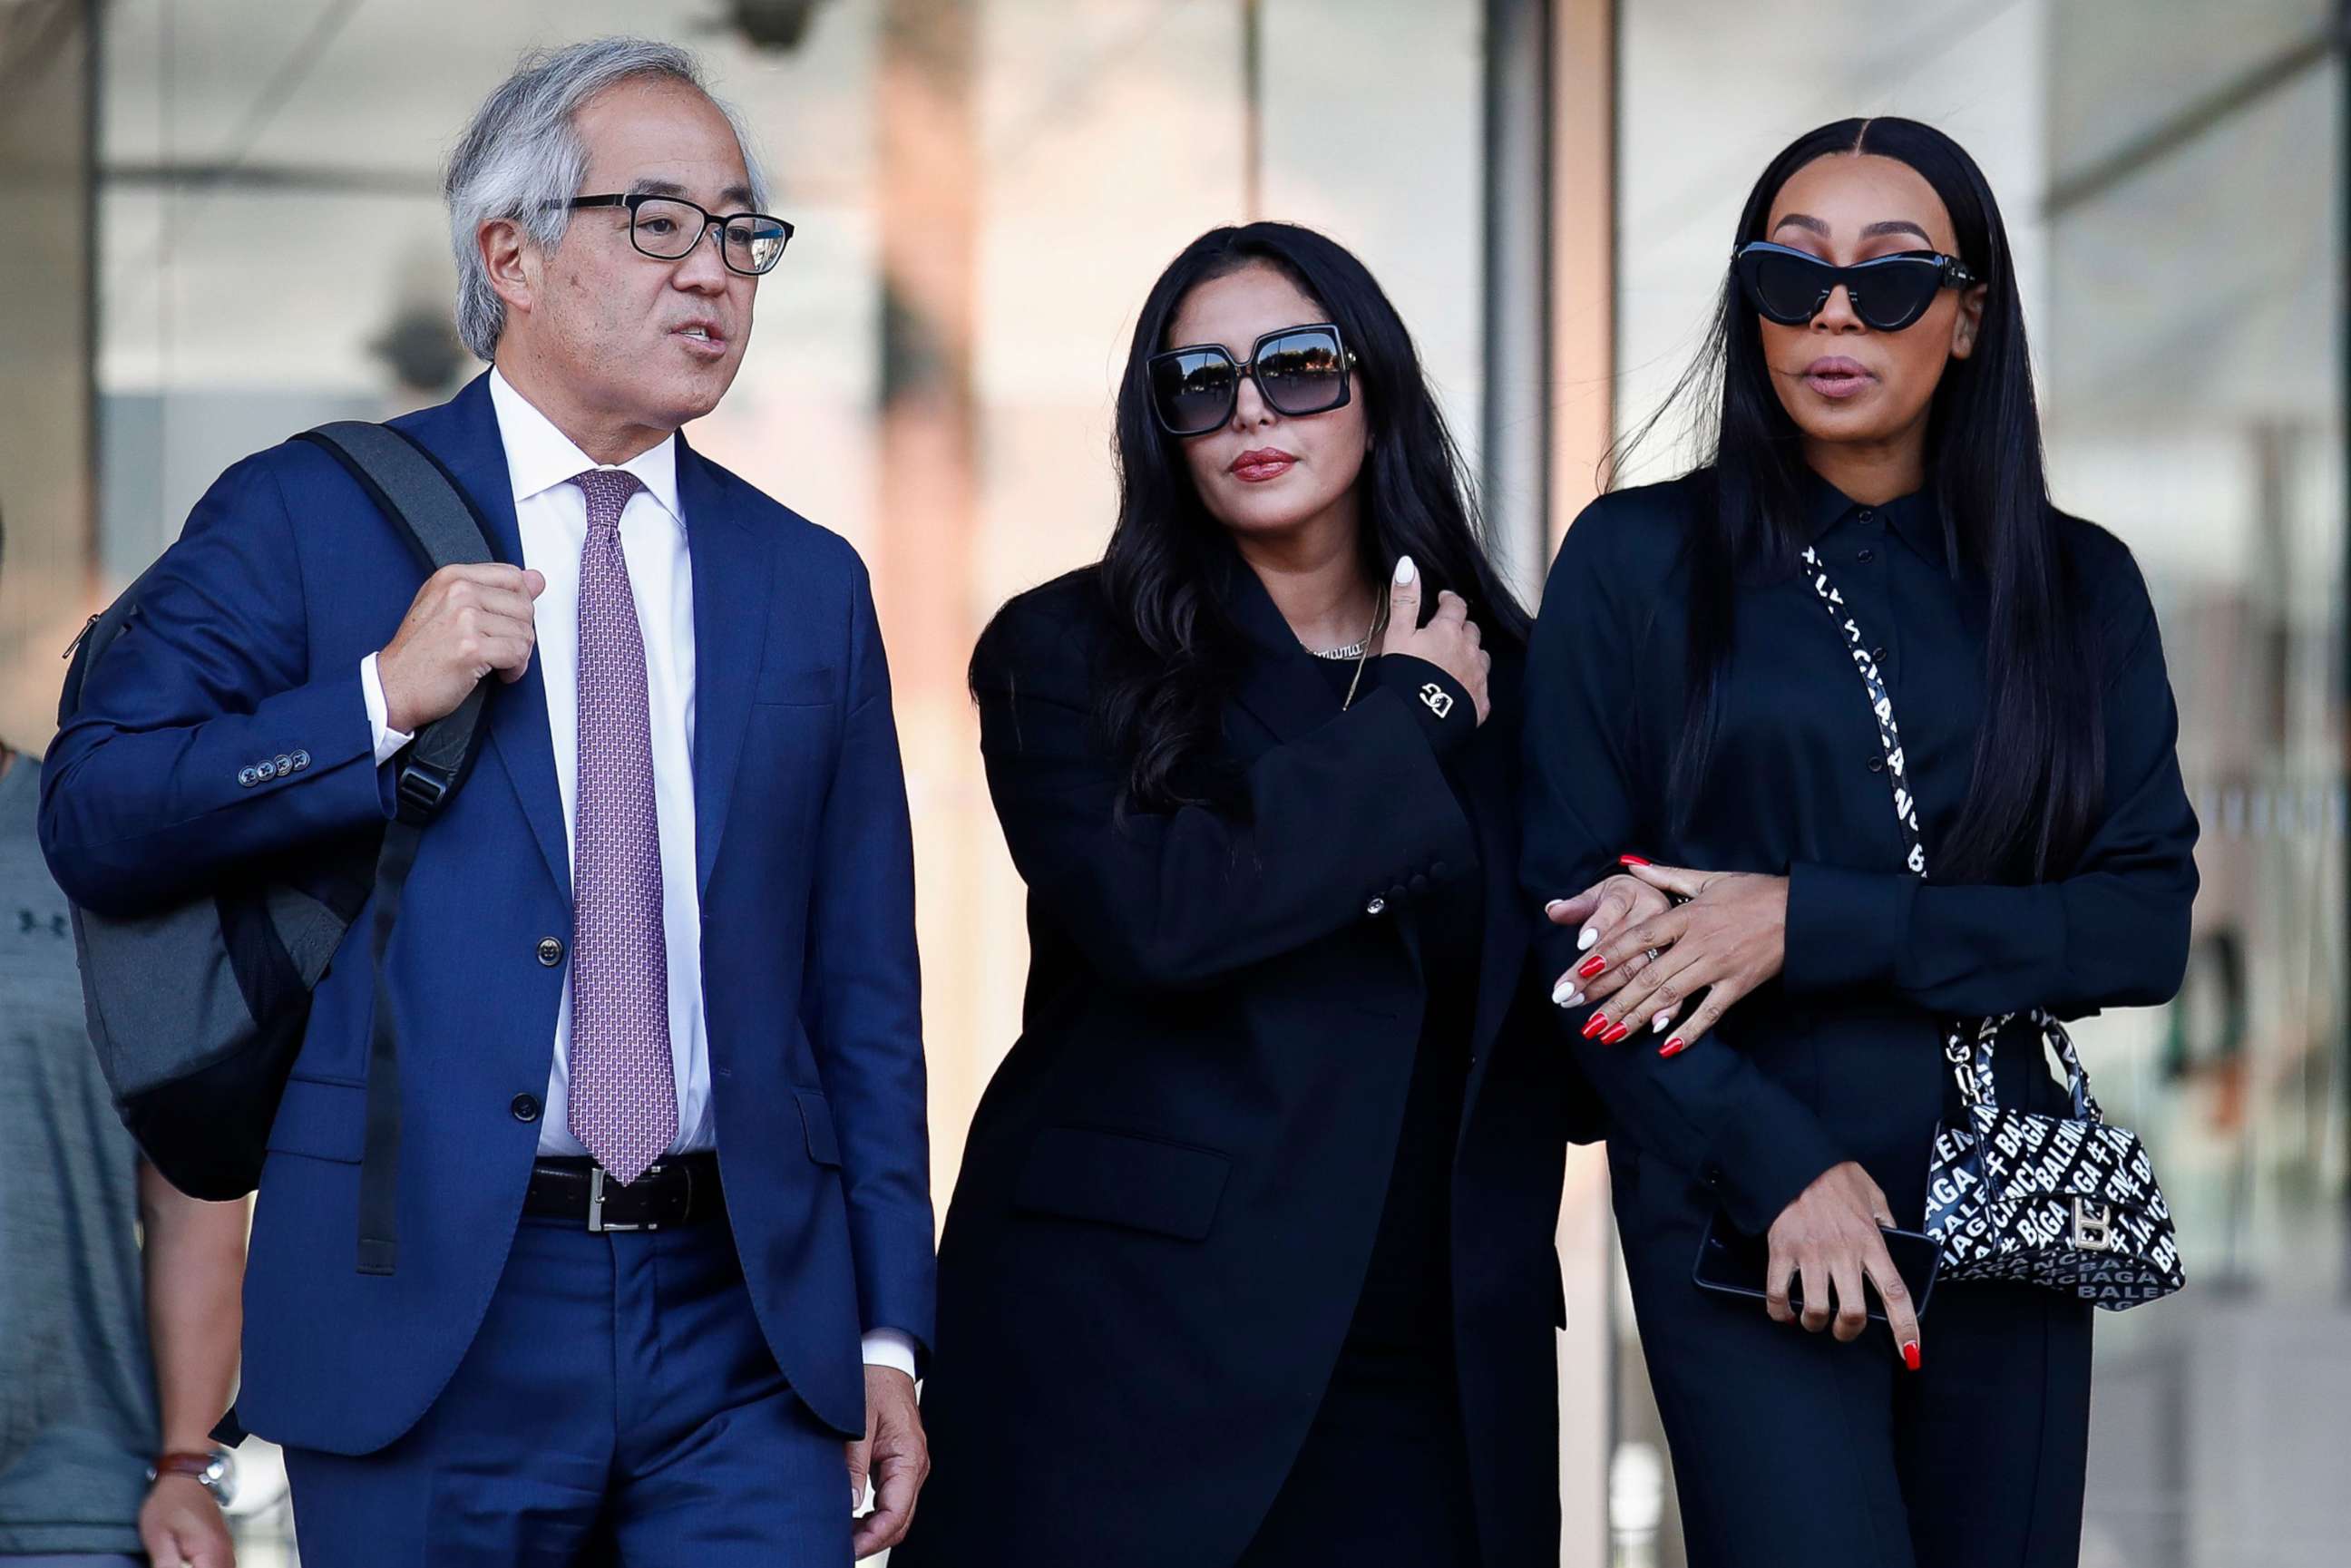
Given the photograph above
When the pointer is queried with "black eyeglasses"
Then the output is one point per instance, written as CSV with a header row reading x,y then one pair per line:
x,y
668,228
1299,371
1888,292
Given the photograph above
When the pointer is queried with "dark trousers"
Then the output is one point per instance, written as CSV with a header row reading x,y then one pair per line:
x,y
620,1406
1383,1477
1790,1448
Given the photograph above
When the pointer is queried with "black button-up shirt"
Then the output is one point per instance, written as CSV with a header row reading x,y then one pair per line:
x,y
1842,1058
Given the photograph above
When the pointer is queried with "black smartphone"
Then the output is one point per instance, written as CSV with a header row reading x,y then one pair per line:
x,y
1734,1263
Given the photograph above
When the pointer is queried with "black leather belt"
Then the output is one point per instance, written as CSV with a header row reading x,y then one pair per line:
x,y
680,1190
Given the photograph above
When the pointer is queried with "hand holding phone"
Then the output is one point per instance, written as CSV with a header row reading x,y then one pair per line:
x,y
1731,1262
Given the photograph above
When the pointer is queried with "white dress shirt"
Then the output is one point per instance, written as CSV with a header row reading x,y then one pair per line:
x,y
552,515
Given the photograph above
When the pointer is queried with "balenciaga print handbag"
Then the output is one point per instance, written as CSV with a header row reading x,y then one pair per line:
x,y
2071,1202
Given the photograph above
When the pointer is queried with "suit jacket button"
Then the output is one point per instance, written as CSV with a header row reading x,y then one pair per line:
x,y
1877,764
551,951
249,777
1419,884
301,761
1437,868
1378,905
267,769
1398,891
525,1107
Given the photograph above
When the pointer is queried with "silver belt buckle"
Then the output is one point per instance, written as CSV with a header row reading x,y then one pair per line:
x,y
596,1225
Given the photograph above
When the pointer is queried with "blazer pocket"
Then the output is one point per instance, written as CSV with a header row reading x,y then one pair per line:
x,y
1120,1178
326,1121
796,688
816,1120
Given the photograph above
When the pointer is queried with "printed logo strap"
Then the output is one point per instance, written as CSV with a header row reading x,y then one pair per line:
x,y
1968,1048
1889,734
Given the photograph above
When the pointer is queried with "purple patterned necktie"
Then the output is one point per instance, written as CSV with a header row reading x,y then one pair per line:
x,y
622,1104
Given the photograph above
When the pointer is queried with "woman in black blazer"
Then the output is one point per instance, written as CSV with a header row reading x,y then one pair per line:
x,y
1700,706
1250,1260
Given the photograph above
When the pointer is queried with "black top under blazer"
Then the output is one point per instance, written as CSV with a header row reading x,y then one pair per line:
x,y
1841,1056
1172,1188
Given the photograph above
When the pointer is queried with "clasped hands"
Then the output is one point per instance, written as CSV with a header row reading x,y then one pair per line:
x,y
1647,958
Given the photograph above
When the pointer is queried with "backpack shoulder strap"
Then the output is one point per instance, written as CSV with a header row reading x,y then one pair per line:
x,y
411,488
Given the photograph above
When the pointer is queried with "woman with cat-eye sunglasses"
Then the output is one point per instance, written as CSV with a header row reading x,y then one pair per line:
x,y
1888,293
1871,531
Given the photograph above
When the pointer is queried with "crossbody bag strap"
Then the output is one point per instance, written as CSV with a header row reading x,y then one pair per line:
x,y
1967,1044
1889,734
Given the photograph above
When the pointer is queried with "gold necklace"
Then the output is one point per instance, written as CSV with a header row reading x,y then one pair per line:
x,y
1363,652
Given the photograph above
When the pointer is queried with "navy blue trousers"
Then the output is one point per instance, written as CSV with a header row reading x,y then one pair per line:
x,y
620,1406
1790,1448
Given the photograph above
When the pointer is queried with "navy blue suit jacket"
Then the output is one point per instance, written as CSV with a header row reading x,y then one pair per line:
x,y
249,646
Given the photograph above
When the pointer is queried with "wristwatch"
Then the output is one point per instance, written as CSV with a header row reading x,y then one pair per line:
x,y
215,1469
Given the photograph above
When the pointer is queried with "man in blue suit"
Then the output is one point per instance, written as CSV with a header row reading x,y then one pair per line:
x,y
655,964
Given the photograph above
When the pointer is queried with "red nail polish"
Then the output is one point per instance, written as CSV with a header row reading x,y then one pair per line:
x,y
1671,1048
1910,1353
1614,1035
1592,965
1630,860
1598,1025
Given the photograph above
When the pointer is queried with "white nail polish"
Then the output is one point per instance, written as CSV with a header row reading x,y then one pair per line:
x,y
1658,1025
1564,994
1576,1001
1585,939
1553,905
1405,571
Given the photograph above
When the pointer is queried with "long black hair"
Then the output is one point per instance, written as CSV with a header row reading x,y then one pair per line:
x,y
1177,652
2040,755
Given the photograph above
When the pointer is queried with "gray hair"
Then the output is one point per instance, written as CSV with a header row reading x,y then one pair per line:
x,y
521,158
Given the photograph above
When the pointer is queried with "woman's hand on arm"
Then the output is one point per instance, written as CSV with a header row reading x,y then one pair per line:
x,y
1830,1237
1716,1116
1600,910
1730,937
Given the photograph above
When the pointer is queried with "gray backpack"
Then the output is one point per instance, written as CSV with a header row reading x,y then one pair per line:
x,y
198,1011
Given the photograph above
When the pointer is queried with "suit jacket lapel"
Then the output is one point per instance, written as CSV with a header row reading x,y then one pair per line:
x,y
732,582
1280,687
463,435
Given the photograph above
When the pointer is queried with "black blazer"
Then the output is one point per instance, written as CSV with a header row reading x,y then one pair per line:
x,y
1841,1057
1173,1184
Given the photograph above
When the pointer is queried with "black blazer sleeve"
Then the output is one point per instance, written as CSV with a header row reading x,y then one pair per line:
x,y
1709,1112
2112,932
1334,818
